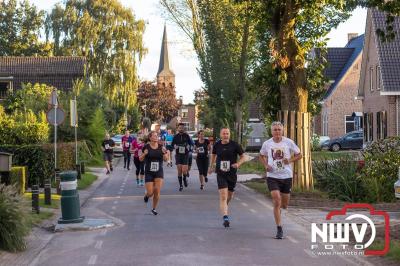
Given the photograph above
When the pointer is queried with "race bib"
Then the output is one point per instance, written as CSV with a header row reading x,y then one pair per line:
x,y
169,143
140,152
127,144
225,166
201,149
107,146
279,165
154,166
181,149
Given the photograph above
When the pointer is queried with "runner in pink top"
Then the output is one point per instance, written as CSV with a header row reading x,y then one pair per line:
x,y
137,146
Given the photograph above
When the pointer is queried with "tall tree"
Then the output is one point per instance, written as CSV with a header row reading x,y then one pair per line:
x,y
109,36
20,29
161,103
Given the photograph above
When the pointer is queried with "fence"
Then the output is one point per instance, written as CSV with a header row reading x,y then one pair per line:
x,y
297,126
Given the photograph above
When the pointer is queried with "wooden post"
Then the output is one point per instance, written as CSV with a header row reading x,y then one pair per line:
x,y
285,123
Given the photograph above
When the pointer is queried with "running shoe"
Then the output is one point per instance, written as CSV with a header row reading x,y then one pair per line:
x,y
153,211
180,188
146,199
206,179
202,187
137,182
111,168
142,183
108,172
226,221
279,233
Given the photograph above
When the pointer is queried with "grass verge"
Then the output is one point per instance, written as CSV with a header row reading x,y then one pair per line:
x,y
55,200
86,180
36,219
394,251
251,167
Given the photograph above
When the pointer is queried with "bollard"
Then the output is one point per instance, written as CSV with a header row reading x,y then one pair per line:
x,y
35,199
78,170
82,167
70,207
57,179
47,192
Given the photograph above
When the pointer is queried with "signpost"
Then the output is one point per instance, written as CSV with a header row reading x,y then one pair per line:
x,y
74,124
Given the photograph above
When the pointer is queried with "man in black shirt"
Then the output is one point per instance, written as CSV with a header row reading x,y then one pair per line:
x,y
107,146
181,142
225,152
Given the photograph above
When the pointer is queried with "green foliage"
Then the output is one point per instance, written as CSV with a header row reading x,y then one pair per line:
x,y
18,178
96,130
20,29
315,143
340,179
382,162
86,180
13,219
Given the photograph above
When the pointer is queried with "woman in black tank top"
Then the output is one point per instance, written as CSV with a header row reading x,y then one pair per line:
x,y
154,154
202,149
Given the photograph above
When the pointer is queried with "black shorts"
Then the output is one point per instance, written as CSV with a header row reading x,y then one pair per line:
x,y
202,165
283,185
150,176
108,156
182,159
225,181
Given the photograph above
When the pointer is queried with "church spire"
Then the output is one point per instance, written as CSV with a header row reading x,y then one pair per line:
x,y
165,74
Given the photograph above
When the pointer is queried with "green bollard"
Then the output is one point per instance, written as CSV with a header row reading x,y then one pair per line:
x,y
70,207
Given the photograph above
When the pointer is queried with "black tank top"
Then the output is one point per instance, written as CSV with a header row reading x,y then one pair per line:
x,y
154,159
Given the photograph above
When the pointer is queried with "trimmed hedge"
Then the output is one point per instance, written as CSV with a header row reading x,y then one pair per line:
x,y
39,159
18,178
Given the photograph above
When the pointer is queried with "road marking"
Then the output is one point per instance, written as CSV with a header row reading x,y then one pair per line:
x,y
309,253
119,193
103,232
99,244
121,189
245,204
116,202
113,207
92,260
248,189
291,239
118,197
237,198
111,213
200,238
253,211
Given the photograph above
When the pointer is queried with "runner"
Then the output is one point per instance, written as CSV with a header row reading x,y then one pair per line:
x,y
181,142
202,147
108,153
137,146
190,159
126,146
153,155
225,153
276,156
168,140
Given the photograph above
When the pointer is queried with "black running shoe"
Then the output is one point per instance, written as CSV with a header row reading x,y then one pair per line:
x,y
185,182
226,221
201,187
108,172
146,199
279,233
180,188
153,211
128,168
206,179
111,168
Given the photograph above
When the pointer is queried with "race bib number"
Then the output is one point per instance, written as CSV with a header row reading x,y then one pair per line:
x,y
127,144
107,146
201,149
154,166
181,149
279,165
225,166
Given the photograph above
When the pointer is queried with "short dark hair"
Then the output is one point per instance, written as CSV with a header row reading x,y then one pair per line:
x,y
200,131
181,124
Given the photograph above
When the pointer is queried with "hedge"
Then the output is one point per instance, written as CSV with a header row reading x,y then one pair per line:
x,y
18,178
39,159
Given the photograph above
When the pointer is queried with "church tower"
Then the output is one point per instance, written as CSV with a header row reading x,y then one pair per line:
x,y
165,76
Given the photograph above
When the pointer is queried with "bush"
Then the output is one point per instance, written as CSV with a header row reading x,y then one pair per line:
x,y
18,178
13,219
315,143
382,161
340,179
96,131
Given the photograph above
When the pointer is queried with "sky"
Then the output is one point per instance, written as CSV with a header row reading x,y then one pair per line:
x,y
183,60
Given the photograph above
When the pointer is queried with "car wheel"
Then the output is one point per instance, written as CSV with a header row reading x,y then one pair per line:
x,y
335,147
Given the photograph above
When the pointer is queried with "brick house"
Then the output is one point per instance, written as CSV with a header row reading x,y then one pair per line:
x,y
187,115
59,72
379,87
340,110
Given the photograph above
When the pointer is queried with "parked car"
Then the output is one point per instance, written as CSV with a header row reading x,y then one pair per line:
x,y
118,143
256,137
351,140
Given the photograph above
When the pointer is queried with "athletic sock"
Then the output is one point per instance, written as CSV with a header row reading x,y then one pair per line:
x,y
180,180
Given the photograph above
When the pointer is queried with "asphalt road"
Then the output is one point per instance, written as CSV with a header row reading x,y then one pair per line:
x,y
187,231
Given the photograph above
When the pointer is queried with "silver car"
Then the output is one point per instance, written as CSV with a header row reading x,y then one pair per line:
x,y
118,143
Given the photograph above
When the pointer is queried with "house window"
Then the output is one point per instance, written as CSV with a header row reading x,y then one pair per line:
x,y
325,124
186,125
378,77
4,88
184,113
368,126
381,125
371,79
349,123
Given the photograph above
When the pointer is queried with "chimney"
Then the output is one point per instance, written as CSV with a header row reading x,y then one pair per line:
x,y
351,36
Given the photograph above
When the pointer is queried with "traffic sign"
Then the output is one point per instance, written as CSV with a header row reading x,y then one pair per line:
x,y
74,113
53,119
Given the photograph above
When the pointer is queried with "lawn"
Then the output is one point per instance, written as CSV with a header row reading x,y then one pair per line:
x,y
96,161
394,251
86,180
36,219
55,200
251,167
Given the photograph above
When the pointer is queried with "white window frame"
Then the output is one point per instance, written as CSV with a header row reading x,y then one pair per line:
x,y
378,78
345,123
371,79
